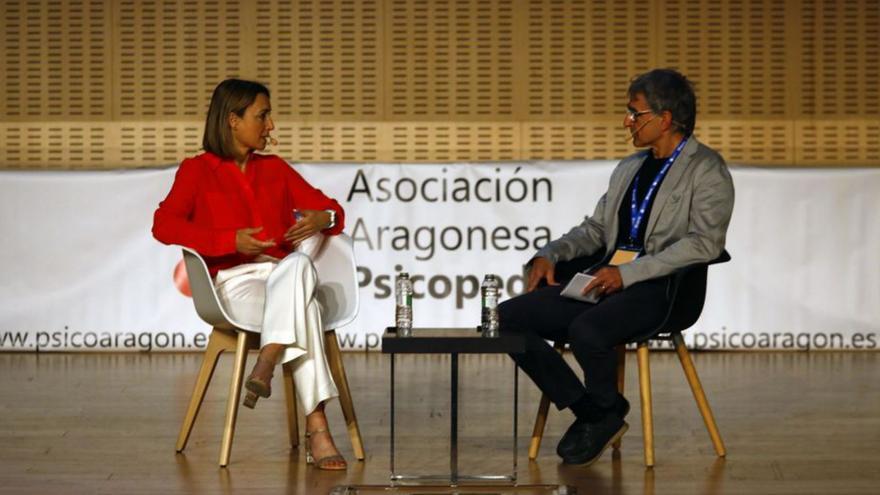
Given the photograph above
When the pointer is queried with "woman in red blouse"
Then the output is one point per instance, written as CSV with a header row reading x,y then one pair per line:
x,y
247,214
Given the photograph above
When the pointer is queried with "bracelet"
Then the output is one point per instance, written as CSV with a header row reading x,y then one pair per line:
x,y
332,223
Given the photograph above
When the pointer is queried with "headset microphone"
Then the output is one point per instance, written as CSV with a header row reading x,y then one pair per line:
x,y
632,134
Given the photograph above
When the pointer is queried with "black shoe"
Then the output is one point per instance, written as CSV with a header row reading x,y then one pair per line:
x,y
591,439
567,444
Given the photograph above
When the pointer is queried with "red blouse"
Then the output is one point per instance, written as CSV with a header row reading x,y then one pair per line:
x,y
211,199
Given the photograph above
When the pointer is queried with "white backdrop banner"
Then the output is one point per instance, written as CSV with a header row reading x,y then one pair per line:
x,y
81,270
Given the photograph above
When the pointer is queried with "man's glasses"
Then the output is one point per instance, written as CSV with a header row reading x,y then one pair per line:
x,y
632,115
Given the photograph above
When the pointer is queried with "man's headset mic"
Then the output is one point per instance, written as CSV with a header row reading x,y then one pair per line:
x,y
632,134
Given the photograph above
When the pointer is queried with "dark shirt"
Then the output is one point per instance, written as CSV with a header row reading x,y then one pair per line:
x,y
646,174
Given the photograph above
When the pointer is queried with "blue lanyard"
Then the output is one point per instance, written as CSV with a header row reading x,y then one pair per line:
x,y
637,213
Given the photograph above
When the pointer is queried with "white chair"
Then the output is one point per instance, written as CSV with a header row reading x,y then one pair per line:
x,y
337,292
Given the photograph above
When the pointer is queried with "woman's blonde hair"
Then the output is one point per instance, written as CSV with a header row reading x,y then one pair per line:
x,y
230,96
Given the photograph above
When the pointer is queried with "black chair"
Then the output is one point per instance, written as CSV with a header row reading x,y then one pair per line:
x,y
687,293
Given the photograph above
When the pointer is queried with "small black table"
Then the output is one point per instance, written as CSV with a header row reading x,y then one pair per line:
x,y
452,341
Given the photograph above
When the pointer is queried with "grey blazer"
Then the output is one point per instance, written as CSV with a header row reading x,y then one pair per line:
x,y
688,220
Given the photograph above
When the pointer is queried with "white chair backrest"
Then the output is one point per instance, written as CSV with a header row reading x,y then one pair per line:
x,y
204,296
337,285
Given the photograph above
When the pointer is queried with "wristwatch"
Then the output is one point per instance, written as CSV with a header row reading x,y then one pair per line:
x,y
332,218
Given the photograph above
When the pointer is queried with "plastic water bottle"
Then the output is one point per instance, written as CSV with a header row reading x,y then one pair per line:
x,y
491,292
403,291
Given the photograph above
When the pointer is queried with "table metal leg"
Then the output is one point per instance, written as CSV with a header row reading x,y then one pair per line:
x,y
454,477
392,419
453,434
515,414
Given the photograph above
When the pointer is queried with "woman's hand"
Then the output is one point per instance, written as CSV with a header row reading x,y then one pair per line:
x,y
247,244
607,281
312,222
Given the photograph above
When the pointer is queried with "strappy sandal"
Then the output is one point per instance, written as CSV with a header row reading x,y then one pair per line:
x,y
257,387
325,463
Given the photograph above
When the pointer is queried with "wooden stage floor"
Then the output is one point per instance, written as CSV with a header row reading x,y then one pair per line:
x,y
794,423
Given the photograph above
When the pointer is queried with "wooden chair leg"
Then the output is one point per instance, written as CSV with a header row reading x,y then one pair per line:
x,y
645,393
541,418
621,376
697,388
538,430
334,360
217,343
290,396
241,349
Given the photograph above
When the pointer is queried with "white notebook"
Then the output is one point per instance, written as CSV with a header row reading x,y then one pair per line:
x,y
576,286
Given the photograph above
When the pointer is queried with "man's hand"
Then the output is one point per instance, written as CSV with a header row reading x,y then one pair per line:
x,y
312,222
542,268
247,244
607,281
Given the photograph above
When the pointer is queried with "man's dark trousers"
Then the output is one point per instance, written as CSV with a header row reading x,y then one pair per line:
x,y
591,330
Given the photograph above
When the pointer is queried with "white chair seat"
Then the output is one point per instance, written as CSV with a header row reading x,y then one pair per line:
x,y
337,293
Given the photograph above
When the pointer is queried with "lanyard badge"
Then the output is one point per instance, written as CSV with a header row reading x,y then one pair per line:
x,y
631,250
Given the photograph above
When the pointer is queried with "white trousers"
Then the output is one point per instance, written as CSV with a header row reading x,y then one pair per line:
x,y
279,299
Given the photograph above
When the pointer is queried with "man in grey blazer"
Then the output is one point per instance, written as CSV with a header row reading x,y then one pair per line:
x,y
667,207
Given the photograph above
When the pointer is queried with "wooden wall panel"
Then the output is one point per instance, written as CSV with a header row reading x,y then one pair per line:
x,y
829,143
764,142
321,58
449,60
55,145
53,60
581,56
169,56
576,141
734,52
841,58
328,141
126,83
451,142
156,142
